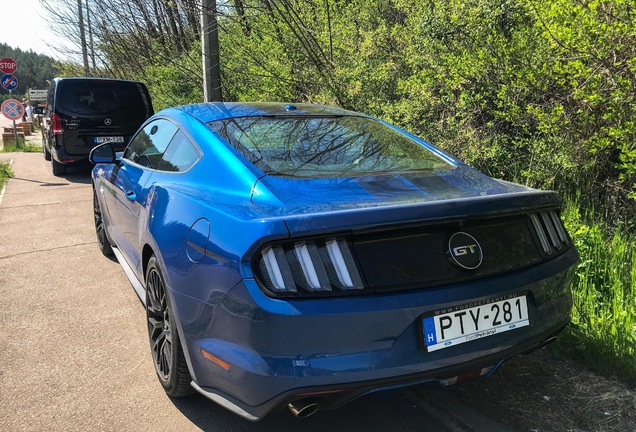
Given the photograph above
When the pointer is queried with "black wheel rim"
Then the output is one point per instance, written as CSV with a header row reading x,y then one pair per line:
x,y
99,222
159,324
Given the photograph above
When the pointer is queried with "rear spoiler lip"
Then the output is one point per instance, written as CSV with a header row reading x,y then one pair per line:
x,y
379,217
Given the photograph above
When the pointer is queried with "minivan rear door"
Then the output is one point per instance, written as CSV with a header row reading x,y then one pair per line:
x,y
93,111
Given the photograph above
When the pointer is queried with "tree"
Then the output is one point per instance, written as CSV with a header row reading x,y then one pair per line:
x,y
34,70
537,92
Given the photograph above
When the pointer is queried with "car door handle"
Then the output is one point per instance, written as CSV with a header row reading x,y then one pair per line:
x,y
131,195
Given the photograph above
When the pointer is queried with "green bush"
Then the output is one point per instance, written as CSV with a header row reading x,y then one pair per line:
x,y
604,316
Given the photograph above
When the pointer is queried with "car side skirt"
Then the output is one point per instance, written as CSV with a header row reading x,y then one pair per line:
x,y
130,274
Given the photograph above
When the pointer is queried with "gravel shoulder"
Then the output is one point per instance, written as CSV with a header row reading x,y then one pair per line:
x,y
545,392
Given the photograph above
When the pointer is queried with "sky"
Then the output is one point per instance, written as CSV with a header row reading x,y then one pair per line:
x,y
24,26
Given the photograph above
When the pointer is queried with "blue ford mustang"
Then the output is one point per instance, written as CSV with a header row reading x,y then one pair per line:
x,y
301,256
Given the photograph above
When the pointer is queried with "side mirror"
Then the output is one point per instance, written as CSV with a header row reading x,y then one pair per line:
x,y
103,154
38,110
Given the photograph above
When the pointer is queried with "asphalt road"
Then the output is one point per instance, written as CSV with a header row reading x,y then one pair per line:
x,y
74,352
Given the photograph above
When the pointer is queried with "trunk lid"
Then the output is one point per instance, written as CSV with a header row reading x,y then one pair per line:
x,y
322,205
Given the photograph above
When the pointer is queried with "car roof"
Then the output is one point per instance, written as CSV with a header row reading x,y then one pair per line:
x,y
211,111
70,79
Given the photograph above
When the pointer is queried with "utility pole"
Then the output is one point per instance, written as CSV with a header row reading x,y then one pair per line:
x,y
90,38
210,52
80,15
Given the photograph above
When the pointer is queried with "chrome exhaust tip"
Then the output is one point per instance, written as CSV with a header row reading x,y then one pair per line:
x,y
303,408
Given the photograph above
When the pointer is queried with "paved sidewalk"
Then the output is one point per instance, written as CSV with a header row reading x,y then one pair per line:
x,y
73,346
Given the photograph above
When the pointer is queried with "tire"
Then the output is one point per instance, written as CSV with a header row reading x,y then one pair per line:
x,y
47,153
100,229
165,345
59,169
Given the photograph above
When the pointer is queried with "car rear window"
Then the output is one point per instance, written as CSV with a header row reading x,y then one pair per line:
x,y
96,97
316,147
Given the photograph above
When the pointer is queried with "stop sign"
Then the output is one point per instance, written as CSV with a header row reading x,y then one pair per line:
x,y
7,65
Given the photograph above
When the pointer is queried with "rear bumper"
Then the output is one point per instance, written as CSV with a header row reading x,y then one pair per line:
x,y
80,150
282,350
60,155
334,396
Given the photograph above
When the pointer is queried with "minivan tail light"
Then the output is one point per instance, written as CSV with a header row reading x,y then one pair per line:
x,y
57,124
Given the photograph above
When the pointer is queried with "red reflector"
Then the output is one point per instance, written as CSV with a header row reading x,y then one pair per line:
x,y
68,160
469,376
217,361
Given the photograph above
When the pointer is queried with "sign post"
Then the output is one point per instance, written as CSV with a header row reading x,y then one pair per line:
x,y
13,109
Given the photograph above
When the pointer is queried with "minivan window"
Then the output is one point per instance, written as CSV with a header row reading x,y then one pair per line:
x,y
102,97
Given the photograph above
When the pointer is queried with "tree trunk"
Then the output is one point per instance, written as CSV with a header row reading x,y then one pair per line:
x,y
90,37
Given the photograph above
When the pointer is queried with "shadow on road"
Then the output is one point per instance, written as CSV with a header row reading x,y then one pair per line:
x,y
384,411
40,182
79,172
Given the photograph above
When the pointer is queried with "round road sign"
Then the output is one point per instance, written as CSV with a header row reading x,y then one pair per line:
x,y
12,109
9,82
8,65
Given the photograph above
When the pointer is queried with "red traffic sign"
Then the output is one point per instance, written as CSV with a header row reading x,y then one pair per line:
x,y
12,109
8,65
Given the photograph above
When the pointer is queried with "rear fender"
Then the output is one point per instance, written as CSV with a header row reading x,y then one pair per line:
x,y
177,225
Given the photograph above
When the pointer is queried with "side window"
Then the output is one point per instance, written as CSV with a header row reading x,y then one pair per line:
x,y
180,155
149,144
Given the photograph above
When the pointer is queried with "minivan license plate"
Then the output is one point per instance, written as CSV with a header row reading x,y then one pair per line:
x,y
459,324
113,139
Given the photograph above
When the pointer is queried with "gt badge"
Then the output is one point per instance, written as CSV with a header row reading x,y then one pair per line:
x,y
465,251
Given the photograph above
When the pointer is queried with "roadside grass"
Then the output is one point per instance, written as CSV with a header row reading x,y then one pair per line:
x,y
23,147
603,330
5,173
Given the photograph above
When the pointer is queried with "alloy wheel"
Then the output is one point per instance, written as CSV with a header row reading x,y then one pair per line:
x,y
159,328
100,229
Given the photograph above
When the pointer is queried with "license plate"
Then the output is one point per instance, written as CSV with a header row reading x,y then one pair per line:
x,y
459,324
113,139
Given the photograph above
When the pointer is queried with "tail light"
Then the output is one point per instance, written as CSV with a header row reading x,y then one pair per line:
x,y
57,124
306,268
550,231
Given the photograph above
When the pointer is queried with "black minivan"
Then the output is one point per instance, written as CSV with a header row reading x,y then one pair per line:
x,y
81,113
